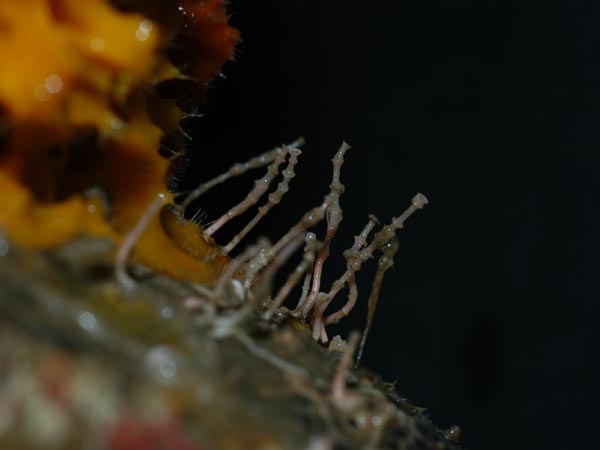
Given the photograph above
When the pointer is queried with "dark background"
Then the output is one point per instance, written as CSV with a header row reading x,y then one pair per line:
x,y
489,318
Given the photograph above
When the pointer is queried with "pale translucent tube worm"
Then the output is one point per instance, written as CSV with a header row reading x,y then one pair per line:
x,y
131,239
386,260
338,386
270,357
352,297
229,273
334,216
274,198
260,187
305,289
234,171
308,220
265,256
359,242
265,284
305,265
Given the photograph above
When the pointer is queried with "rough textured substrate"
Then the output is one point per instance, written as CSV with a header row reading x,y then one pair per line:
x,y
83,367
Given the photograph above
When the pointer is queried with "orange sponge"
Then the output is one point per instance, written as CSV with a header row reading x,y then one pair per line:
x,y
75,85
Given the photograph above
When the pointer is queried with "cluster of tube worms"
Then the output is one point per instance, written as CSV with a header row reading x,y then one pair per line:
x,y
251,274
82,126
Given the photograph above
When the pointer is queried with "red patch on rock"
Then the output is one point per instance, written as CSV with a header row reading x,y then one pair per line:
x,y
132,434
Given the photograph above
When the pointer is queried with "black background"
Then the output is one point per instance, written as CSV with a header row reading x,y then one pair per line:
x,y
489,318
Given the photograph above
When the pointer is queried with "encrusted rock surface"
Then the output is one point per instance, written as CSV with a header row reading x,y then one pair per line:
x,y
84,366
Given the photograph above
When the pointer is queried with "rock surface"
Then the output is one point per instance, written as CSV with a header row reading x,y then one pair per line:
x,y
84,366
